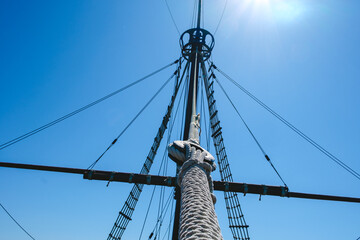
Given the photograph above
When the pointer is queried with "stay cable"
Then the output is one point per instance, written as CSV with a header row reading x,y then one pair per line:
x,y
26,135
292,127
133,120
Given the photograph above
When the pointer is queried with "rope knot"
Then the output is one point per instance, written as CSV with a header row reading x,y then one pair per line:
x,y
188,154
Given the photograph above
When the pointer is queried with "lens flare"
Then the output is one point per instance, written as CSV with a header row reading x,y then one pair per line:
x,y
287,10
273,10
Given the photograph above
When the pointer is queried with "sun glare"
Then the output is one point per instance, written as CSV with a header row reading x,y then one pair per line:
x,y
287,10
274,10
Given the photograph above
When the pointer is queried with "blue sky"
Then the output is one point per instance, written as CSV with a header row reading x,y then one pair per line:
x,y
299,56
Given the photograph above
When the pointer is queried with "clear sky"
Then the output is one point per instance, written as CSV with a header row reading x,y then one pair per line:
x,y
300,57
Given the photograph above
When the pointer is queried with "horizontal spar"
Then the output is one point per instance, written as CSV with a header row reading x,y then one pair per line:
x,y
276,191
171,181
130,178
43,168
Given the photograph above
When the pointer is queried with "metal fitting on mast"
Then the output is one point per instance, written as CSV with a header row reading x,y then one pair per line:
x,y
196,39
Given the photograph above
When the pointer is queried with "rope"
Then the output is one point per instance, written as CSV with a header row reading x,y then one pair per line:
x,y
165,161
202,13
201,108
198,219
249,130
26,135
162,162
207,128
170,221
185,97
202,111
132,121
160,206
164,155
159,221
172,17
152,194
16,222
237,222
222,15
128,208
147,212
193,16
292,127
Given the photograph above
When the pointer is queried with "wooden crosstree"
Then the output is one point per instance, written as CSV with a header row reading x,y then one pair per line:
x,y
168,181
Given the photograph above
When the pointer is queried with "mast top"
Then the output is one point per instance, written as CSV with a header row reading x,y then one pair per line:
x,y
197,37
199,15
197,40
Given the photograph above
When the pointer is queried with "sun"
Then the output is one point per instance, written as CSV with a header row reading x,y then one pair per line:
x,y
283,11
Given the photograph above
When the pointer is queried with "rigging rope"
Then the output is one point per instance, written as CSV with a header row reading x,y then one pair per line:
x,y
207,133
128,208
236,218
132,121
147,212
222,15
202,14
167,158
193,20
202,111
164,156
160,219
172,17
170,221
292,127
16,222
184,104
26,135
249,130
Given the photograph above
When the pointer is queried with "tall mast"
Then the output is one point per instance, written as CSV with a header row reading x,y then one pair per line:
x,y
190,113
199,14
193,83
194,51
